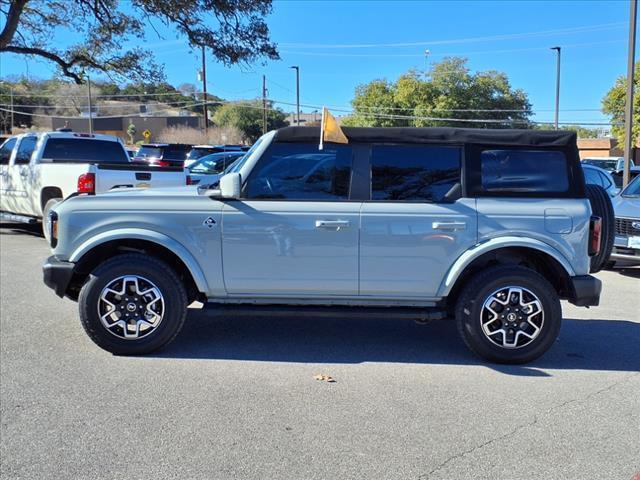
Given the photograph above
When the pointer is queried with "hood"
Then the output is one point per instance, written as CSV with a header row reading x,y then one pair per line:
x,y
628,207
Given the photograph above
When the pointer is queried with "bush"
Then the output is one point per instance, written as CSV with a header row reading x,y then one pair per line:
x,y
193,136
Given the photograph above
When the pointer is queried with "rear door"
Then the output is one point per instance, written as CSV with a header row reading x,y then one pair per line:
x,y
295,231
411,231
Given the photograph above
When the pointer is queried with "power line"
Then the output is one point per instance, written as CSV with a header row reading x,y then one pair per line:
x,y
510,36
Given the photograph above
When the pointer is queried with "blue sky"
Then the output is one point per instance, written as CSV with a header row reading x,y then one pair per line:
x,y
339,45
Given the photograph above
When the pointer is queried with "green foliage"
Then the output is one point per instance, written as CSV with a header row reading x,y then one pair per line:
x,y
448,89
246,117
232,31
613,104
582,132
131,131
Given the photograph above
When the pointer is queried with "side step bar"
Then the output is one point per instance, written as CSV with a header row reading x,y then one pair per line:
x,y
324,311
13,217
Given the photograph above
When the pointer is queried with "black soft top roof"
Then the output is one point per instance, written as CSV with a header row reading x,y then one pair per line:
x,y
527,138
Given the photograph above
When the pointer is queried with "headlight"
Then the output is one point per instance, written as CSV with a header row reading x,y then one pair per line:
x,y
53,229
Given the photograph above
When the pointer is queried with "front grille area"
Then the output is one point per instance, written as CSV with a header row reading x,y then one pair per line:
x,y
623,227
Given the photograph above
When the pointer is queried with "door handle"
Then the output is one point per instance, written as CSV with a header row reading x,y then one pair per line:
x,y
333,224
449,226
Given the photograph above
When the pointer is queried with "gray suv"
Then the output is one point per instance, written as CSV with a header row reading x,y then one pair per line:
x,y
490,227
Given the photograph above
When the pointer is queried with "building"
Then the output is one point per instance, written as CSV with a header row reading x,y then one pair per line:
x,y
604,147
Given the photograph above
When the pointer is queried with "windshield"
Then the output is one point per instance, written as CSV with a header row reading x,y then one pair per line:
x,y
633,189
606,164
149,152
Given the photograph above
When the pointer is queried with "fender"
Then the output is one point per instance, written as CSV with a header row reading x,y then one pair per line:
x,y
151,236
470,255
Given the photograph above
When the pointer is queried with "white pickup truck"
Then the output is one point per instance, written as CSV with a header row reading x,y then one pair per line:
x,y
37,170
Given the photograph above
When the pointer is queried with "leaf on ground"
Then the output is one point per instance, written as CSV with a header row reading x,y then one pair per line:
x,y
324,378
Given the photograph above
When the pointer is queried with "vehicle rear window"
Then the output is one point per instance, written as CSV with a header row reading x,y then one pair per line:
x,y
300,171
413,173
524,171
175,152
81,150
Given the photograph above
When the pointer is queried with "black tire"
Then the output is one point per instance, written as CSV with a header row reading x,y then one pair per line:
x,y
601,206
469,310
157,272
52,202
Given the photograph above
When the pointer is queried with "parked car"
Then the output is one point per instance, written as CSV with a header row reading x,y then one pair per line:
x,y
601,177
163,154
610,164
618,176
199,151
493,227
131,152
207,170
38,170
626,249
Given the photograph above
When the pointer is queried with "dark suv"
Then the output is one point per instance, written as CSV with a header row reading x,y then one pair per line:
x,y
163,154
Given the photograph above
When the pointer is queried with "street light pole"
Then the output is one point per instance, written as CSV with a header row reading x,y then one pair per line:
x,y
204,92
557,49
264,104
90,106
297,69
628,110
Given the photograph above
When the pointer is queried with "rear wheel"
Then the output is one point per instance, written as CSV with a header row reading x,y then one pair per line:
x,y
133,304
601,207
508,314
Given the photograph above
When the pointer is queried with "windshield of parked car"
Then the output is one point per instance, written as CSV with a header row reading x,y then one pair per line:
x,y
606,164
214,163
633,189
149,152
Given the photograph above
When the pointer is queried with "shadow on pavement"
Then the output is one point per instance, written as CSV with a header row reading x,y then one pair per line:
x,y
33,229
629,272
583,344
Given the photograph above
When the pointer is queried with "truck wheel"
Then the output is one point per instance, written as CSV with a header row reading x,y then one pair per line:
x,y
601,206
508,314
132,304
52,202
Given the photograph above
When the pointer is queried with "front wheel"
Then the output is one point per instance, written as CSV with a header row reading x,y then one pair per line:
x,y
132,304
508,314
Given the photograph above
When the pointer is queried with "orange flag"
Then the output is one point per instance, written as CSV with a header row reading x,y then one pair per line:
x,y
330,131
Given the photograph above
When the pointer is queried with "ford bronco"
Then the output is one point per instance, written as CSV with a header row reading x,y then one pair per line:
x,y
490,227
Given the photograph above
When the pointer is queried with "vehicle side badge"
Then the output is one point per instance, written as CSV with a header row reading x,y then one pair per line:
x,y
209,222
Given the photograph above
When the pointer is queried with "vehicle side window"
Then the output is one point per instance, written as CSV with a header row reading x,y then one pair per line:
x,y
592,177
25,149
517,171
604,181
5,151
77,150
299,171
413,173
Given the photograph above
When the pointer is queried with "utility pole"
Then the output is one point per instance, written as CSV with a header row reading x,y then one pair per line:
x,y
297,69
204,92
90,106
557,49
628,110
264,104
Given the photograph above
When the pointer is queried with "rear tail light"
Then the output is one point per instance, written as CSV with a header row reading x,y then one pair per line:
x,y
189,180
595,235
163,163
53,229
87,183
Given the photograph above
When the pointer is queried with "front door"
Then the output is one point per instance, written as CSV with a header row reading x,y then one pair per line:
x,y
413,228
5,156
20,177
295,231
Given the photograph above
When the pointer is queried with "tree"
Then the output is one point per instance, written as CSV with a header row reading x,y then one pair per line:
x,y
246,116
449,91
234,31
131,131
583,132
614,101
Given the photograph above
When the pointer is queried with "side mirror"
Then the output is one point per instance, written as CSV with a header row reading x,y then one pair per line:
x,y
230,185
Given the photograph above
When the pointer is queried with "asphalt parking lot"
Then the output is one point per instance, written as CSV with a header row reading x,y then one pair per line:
x,y
236,397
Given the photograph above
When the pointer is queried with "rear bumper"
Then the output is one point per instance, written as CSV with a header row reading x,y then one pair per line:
x,y
57,275
585,291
